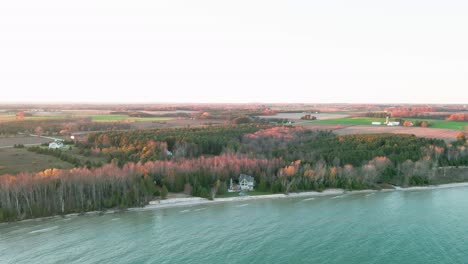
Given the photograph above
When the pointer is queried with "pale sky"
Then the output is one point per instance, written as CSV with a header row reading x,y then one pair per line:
x,y
361,51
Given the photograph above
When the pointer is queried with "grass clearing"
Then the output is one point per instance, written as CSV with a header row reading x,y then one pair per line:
x,y
13,160
455,125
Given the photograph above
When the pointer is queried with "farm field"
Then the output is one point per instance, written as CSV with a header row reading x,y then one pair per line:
x,y
102,117
297,116
455,125
25,140
13,160
173,123
448,135
122,118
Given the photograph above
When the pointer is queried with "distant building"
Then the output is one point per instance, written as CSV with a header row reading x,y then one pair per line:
x,y
393,124
56,145
376,123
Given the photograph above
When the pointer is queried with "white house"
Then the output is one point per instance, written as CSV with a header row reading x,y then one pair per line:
x,y
56,145
246,182
376,123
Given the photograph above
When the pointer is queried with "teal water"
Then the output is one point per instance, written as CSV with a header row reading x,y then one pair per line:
x,y
429,226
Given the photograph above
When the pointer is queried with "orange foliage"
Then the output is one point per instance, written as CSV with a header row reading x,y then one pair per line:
x,y
333,172
458,117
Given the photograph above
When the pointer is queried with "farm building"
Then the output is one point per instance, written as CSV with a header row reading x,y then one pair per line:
x,y
376,123
56,145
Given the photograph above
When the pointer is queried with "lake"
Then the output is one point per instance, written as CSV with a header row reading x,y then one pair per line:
x,y
425,226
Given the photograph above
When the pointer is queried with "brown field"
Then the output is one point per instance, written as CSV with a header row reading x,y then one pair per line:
x,y
25,140
445,134
14,160
297,116
177,123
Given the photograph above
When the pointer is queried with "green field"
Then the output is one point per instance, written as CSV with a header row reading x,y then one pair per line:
x,y
456,125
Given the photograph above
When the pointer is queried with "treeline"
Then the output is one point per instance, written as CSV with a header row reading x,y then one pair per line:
x,y
408,114
410,111
417,123
29,195
54,192
376,114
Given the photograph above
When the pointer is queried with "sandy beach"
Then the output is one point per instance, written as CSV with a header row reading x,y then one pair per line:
x,y
195,201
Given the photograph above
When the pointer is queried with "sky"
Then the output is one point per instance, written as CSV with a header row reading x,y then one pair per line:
x,y
291,51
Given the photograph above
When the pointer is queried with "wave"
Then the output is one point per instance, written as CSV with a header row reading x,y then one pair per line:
x,y
338,197
44,230
185,211
308,199
242,205
200,209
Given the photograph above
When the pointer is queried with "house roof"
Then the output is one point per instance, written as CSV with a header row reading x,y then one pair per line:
x,y
246,177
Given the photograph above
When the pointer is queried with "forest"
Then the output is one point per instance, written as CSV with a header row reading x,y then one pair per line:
x,y
146,165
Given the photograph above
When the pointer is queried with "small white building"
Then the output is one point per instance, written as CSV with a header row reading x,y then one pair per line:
x,y
376,123
393,124
56,145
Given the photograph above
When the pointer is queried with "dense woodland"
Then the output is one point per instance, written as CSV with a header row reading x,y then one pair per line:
x,y
144,165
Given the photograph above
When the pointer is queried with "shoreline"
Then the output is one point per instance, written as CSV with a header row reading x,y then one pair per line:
x,y
197,201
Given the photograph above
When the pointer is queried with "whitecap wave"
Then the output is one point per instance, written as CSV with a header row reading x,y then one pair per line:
x,y
44,230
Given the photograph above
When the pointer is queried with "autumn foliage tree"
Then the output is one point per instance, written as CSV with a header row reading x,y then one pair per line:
x,y
458,117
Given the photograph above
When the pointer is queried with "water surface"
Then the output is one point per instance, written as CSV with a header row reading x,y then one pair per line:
x,y
429,226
